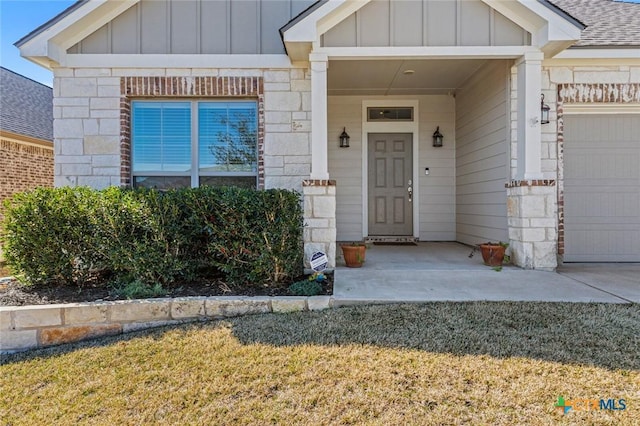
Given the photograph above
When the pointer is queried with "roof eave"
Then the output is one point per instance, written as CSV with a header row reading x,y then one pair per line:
x,y
564,14
47,45
51,22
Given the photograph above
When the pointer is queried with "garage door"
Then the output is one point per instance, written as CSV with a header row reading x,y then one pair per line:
x,y
602,188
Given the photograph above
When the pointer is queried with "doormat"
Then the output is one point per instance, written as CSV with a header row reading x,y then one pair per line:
x,y
395,243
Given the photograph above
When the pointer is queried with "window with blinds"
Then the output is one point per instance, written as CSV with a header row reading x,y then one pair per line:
x,y
177,144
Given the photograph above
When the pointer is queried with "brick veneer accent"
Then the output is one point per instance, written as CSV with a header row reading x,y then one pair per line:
x,y
540,182
23,167
318,182
186,88
613,93
585,93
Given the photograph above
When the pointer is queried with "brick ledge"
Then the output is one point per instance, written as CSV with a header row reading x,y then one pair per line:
x,y
318,182
535,182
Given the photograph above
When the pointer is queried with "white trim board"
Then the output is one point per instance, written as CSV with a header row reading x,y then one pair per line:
x,y
601,109
421,52
175,61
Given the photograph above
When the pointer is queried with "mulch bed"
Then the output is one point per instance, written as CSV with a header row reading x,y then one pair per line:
x,y
14,293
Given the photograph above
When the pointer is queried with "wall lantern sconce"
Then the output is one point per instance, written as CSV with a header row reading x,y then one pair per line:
x,y
437,138
544,111
344,139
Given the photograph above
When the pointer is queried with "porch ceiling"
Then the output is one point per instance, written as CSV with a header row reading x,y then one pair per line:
x,y
389,77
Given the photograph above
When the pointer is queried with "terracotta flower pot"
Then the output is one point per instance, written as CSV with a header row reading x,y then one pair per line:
x,y
354,255
492,254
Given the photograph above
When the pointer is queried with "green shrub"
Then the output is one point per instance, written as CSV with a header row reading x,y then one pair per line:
x,y
70,235
138,290
47,236
139,232
305,288
255,237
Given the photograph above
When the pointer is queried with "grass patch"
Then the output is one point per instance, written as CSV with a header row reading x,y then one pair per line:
x,y
437,363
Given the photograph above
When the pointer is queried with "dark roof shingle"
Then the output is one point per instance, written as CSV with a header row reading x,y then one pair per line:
x,y
609,23
26,106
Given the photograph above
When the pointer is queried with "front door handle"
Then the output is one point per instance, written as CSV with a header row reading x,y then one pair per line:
x,y
410,191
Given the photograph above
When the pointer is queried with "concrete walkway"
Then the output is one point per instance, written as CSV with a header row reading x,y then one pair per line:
x,y
444,272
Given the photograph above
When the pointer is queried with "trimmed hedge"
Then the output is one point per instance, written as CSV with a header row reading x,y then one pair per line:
x,y
68,235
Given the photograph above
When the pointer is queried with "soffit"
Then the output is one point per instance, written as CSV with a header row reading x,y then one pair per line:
x,y
429,77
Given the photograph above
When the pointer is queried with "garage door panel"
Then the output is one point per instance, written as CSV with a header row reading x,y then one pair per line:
x,y
601,206
602,164
602,188
605,245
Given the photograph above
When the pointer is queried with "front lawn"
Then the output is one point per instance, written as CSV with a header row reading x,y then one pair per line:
x,y
437,363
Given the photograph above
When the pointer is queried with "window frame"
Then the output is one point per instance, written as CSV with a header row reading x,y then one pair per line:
x,y
195,172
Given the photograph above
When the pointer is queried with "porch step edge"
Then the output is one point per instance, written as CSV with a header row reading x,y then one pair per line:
x,y
390,239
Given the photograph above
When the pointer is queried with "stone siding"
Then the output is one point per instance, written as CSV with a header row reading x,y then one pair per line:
x,y
91,118
28,327
319,220
595,85
531,208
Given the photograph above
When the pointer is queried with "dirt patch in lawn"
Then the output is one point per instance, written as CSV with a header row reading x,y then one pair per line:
x,y
15,293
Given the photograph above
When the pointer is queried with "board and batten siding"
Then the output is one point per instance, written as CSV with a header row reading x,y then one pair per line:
x,y
482,155
195,27
426,23
437,190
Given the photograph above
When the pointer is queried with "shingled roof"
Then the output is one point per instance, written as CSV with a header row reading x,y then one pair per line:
x,y
609,23
26,106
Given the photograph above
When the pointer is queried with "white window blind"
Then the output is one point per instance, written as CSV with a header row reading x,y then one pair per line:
x,y
194,143
161,137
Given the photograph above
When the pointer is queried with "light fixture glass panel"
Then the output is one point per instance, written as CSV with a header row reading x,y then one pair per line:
x,y
390,114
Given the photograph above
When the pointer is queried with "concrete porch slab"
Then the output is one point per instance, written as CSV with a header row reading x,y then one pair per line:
x,y
444,272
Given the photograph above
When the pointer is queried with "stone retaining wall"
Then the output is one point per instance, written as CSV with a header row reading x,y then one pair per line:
x,y
37,326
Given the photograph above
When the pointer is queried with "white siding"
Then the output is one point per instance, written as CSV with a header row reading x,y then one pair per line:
x,y
481,155
436,191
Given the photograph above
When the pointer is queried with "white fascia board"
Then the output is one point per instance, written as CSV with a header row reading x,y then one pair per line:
x,y
307,29
38,45
71,29
90,22
601,53
176,61
330,20
436,52
557,28
321,20
305,35
517,13
550,31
